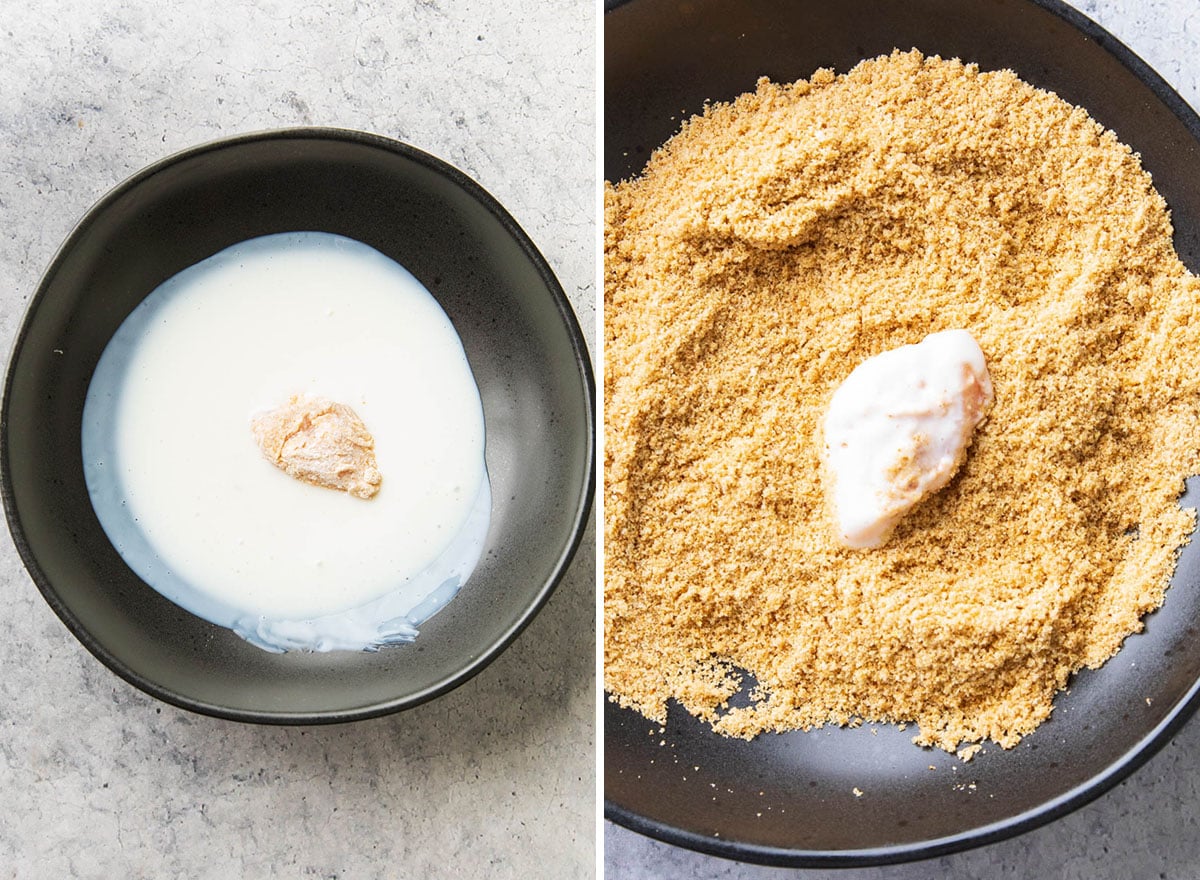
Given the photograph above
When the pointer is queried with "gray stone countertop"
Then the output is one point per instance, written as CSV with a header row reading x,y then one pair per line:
x,y
1146,828
102,781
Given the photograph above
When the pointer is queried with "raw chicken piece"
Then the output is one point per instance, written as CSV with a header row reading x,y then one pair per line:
x,y
320,442
898,428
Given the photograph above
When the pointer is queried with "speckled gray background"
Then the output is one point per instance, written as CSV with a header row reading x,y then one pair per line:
x,y
98,780
1144,829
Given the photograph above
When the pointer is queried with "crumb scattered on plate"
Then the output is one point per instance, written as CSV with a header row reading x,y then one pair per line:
x,y
780,240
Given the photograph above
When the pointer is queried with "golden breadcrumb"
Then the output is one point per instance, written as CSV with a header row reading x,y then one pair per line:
x,y
777,242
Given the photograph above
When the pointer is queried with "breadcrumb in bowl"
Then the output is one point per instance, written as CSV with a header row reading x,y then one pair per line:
x,y
760,792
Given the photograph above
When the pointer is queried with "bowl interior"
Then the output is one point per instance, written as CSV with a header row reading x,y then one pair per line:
x,y
520,337
789,799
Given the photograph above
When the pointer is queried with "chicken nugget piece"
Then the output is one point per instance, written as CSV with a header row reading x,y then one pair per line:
x,y
321,442
898,428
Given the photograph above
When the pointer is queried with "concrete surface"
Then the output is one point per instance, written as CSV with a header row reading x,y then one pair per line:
x,y
1147,827
101,781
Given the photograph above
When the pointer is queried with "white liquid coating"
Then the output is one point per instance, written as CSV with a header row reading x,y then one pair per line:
x,y
898,428
194,508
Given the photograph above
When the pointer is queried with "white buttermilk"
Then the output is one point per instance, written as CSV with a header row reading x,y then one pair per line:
x,y
186,496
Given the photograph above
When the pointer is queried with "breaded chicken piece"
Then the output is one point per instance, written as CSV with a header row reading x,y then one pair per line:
x,y
898,428
321,442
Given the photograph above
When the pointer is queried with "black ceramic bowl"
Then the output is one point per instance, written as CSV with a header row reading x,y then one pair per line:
x,y
789,799
517,328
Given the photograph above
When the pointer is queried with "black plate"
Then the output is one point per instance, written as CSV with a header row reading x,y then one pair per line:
x,y
789,799
520,336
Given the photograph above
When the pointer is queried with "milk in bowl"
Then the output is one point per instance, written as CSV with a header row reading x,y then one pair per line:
x,y
286,439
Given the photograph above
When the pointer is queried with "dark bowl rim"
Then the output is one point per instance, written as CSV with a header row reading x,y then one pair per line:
x,y
1069,801
565,313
